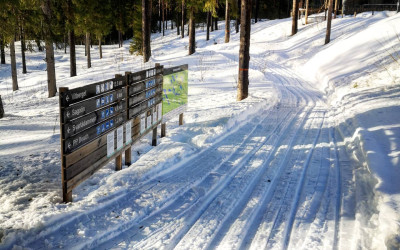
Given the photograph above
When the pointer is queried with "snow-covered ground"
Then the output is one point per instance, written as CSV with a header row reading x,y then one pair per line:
x,y
311,160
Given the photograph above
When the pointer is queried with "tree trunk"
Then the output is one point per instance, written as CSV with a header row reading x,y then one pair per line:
x,y
89,60
208,25
192,33
177,24
244,52
100,49
145,30
23,48
163,17
336,7
227,22
65,44
183,19
3,54
256,12
159,16
343,7
212,23
13,66
238,16
295,15
329,23
72,54
216,23
51,72
306,17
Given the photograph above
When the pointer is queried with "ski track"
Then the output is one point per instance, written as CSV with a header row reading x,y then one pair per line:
x,y
273,182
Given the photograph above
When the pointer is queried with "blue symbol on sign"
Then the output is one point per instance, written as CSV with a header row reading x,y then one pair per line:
x,y
107,100
111,98
105,87
97,103
103,128
103,114
98,130
103,101
107,112
111,123
111,110
107,125
97,89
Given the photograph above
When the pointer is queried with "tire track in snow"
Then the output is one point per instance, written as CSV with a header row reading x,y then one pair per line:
x,y
156,185
176,227
233,197
220,169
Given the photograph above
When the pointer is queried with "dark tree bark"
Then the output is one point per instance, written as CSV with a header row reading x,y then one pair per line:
x,y
237,23
336,7
163,17
51,72
295,16
216,23
65,44
72,54
212,23
306,15
208,25
146,22
23,49
100,48
159,16
89,59
3,54
192,33
177,24
13,66
227,22
256,11
329,23
183,19
244,52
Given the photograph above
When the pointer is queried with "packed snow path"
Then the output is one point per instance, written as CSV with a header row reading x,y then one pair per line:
x,y
274,182
270,172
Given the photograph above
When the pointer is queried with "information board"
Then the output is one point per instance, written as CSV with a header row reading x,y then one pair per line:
x,y
175,91
101,120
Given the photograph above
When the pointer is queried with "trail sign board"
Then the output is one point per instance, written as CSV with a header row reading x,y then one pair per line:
x,y
175,91
101,120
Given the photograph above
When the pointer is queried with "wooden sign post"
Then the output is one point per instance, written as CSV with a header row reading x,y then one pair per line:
x,y
101,121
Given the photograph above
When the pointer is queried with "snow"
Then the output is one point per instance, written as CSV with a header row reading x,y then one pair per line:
x,y
310,160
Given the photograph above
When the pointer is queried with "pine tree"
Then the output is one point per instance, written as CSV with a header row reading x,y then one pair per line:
x,y
244,52
227,22
146,29
295,16
51,73
8,28
3,54
329,23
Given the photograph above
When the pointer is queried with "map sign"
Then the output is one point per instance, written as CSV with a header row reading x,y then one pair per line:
x,y
175,91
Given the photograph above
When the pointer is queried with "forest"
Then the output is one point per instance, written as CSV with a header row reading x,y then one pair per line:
x,y
42,24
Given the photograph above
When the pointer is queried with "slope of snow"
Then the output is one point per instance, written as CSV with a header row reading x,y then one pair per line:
x,y
310,160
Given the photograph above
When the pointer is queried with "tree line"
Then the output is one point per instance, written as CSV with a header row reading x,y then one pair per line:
x,y
63,23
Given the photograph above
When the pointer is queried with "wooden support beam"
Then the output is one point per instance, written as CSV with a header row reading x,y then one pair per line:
x,y
181,119
163,130
118,163
128,156
154,139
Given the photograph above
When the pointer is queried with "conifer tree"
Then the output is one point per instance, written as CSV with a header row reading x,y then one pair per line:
x,y
48,37
244,52
8,28
227,22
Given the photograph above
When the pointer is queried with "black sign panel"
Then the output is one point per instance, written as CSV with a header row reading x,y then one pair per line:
x,y
78,125
91,134
172,70
93,104
79,94
145,105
